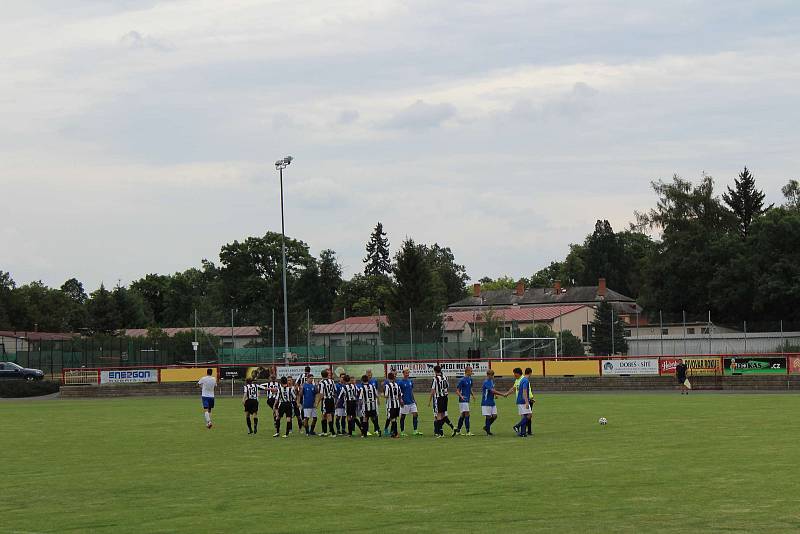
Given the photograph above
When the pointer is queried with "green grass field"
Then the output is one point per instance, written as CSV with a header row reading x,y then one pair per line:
x,y
665,463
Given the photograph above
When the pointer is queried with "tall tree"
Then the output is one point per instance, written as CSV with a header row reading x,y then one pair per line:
x,y
451,277
362,295
791,192
745,201
74,290
414,289
377,259
7,286
103,316
608,335
330,279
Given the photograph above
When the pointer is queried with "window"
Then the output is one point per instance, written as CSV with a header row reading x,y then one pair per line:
x,y
665,331
627,332
690,331
586,333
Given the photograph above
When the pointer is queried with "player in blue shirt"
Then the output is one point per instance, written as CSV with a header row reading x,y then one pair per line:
x,y
464,390
309,394
409,403
488,405
523,402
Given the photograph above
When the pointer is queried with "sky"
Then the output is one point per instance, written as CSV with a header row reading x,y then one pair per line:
x,y
139,137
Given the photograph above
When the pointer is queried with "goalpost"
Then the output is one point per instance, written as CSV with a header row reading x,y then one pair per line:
x,y
528,347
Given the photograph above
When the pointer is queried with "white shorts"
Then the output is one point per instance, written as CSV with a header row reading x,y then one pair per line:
x,y
309,412
408,409
489,410
339,412
463,407
523,409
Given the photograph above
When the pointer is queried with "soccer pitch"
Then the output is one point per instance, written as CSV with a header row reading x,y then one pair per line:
x,y
665,463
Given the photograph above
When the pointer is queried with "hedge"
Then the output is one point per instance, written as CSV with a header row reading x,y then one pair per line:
x,y
25,388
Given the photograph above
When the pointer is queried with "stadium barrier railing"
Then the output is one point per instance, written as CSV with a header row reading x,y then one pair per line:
x,y
590,366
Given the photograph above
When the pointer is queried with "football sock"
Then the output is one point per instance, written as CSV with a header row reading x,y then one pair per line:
x,y
207,417
523,425
466,422
394,427
447,421
288,426
255,424
492,420
386,424
277,421
460,422
249,424
530,426
313,424
414,420
324,426
488,423
403,423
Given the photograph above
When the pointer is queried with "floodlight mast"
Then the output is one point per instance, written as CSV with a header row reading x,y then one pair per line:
x,y
279,166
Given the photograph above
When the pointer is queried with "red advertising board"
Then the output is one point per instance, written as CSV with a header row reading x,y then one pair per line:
x,y
794,364
711,365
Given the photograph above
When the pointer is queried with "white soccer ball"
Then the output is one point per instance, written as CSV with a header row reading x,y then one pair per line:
x,y
603,421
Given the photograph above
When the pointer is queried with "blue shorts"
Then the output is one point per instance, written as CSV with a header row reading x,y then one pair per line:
x,y
208,403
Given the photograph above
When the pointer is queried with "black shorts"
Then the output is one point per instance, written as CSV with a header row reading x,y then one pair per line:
x,y
251,406
394,413
296,410
441,404
285,409
271,402
328,406
369,414
350,408
680,379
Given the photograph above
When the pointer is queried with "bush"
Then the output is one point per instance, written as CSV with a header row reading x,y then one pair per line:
x,y
24,388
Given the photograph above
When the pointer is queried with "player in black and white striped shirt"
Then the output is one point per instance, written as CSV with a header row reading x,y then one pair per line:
x,y
394,399
439,397
368,394
250,401
327,398
349,393
285,403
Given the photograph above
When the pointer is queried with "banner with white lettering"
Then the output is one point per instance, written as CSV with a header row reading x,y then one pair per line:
x,y
645,366
425,369
128,376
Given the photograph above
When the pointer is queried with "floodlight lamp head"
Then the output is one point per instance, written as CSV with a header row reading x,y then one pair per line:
x,y
287,160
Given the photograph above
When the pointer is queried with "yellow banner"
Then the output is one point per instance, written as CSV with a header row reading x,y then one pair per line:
x,y
506,367
573,368
192,374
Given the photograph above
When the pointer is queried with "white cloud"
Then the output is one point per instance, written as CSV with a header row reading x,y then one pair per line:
x,y
502,130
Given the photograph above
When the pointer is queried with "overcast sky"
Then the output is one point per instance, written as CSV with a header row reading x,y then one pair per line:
x,y
140,136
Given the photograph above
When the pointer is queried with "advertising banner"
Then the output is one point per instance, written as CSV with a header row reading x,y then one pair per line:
x,y
359,369
296,370
645,366
129,376
233,372
190,374
696,366
794,364
506,367
751,365
572,368
449,369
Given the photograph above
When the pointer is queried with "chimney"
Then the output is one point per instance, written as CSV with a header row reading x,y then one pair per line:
x,y
557,287
601,287
476,290
520,288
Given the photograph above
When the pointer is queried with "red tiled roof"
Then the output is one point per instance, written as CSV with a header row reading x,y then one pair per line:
x,y
514,313
37,336
369,325
219,331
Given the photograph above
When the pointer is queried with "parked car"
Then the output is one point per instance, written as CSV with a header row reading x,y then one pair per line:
x,y
12,370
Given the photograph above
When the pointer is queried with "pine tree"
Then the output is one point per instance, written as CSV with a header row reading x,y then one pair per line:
x,y
745,201
377,260
103,314
601,340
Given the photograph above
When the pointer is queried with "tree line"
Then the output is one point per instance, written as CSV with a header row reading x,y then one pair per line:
x,y
694,251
